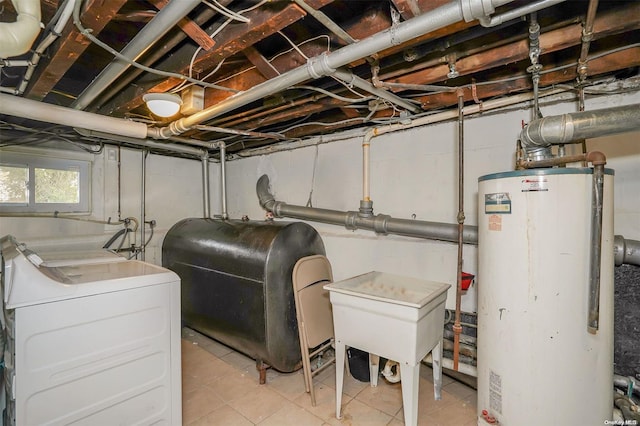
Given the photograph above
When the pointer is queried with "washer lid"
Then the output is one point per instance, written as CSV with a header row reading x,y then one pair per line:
x,y
28,281
65,258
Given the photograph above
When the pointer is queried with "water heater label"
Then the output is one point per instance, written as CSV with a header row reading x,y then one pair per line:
x,y
535,183
497,203
495,391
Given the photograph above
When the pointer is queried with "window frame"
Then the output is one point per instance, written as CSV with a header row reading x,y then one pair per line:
x,y
39,161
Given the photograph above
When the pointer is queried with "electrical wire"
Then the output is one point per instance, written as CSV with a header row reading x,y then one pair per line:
x,y
226,12
87,33
313,178
212,35
335,96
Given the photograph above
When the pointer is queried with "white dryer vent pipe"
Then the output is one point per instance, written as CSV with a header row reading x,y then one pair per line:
x,y
17,37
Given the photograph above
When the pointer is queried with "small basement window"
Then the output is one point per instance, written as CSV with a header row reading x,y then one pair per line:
x,y
37,184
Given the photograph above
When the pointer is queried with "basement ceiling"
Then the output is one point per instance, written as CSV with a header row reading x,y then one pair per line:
x,y
232,46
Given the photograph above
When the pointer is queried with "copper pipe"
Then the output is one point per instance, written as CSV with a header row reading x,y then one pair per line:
x,y
457,328
587,36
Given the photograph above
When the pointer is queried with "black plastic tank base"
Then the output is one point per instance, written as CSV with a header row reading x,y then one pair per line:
x,y
236,283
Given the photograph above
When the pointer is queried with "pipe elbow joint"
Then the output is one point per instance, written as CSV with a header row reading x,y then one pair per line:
x,y
476,9
596,158
265,198
547,131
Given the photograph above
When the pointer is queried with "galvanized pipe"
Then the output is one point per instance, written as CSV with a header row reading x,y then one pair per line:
x,y
205,185
626,251
328,63
517,13
223,179
587,36
595,253
380,223
164,20
143,204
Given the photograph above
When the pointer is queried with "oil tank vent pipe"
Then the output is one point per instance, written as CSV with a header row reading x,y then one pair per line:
x,y
205,185
380,223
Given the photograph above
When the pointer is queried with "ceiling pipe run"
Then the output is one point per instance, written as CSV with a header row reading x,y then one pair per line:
x,y
517,13
328,63
164,20
17,37
380,223
40,111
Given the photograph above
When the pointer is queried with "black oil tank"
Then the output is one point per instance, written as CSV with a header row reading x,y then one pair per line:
x,y
236,282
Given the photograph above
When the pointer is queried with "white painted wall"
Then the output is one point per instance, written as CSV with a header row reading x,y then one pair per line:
x,y
173,192
413,173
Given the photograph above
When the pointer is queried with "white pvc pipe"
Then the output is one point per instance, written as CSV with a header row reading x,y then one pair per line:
x,y
34,110
17,37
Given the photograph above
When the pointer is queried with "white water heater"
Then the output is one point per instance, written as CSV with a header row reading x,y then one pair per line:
x,y
537,362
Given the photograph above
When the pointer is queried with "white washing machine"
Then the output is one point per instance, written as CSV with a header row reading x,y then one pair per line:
x,y
90,343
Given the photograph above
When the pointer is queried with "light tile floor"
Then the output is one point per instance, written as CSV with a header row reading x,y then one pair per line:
x,y
220,387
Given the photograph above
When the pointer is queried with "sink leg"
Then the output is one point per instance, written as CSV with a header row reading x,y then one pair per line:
x,y
410,380
374,367
436,356
340,363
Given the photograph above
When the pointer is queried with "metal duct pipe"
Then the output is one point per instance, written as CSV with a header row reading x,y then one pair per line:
x,y
40,111
566,128
164,20
380,223
626,251
349,78
517,13
328,63
205,185
17,37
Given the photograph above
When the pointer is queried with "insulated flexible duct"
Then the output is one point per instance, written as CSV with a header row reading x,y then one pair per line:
x,y
17,37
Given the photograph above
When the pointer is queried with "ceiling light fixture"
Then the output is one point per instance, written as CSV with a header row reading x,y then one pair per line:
x,y
163,104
